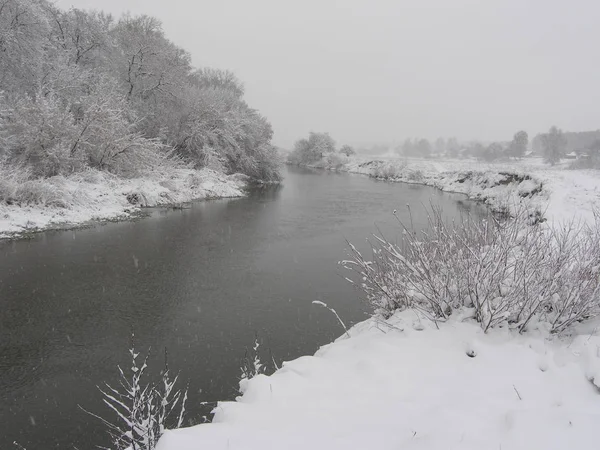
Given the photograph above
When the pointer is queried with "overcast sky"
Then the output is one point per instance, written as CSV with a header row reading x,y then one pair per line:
x,y
373,71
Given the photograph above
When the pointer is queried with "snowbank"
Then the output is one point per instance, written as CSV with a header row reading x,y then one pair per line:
x,y
558,194
404,384
92,196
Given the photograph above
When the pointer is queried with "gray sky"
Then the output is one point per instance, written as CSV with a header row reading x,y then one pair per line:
x,y
373,71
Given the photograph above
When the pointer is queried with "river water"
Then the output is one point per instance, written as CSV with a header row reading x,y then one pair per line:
x,y
201,282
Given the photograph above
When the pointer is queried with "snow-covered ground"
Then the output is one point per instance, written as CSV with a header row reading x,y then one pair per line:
x,y
558,193
403,384
95,196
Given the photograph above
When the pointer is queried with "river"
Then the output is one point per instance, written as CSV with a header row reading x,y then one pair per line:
x,y
201,282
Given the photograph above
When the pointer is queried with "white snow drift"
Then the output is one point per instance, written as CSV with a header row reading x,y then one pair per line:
x,y
403,384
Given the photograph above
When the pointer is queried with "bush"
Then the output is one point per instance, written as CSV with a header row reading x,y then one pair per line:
x,y
415,175
18,188
389,171
142,409
508,273
336,160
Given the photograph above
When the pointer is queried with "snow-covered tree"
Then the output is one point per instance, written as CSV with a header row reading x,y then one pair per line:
x,y
347,150
492,152
554,145
518,145
24,29
79,89
313,149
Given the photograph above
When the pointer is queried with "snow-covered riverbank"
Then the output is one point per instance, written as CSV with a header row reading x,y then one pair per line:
x,y
404,384
558,194
61,202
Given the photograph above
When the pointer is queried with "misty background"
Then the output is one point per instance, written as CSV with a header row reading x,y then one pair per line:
x,y
381,71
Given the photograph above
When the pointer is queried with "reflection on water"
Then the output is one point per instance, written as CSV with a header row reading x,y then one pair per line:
x,y
199,281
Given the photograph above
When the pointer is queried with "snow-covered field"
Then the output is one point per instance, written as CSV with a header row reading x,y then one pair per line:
x,y
95,196
403,384
558,193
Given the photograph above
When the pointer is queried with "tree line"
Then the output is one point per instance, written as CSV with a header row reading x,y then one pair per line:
x,y
552,146
82,89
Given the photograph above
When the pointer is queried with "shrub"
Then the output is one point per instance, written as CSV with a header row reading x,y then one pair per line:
x,y
336,160
507,272
415,175
386,172
142,408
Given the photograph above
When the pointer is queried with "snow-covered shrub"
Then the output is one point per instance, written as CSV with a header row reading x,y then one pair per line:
x,y
18,187
387,171
415,175
262,163
40,133
142,409
336,160
508,272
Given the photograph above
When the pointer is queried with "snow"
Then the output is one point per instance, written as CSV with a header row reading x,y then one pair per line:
x,y
558,193
96,196
405,384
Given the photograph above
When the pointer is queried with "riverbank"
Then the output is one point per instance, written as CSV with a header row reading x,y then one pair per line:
x,y
94,196
556,194
403,383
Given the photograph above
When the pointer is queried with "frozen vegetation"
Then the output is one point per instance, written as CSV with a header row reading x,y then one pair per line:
x,y
94,110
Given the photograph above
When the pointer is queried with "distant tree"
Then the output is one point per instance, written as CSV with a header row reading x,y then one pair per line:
x,y
493,152
537,145
408,148
554,145
424,148
518,146
440,146
313,149
347,150
594,153
475,149
452,147
321,144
